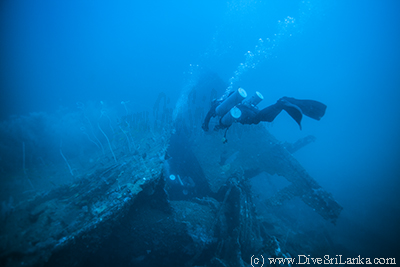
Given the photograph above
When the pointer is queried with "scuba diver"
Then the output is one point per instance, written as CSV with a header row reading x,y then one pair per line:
x,y
235,107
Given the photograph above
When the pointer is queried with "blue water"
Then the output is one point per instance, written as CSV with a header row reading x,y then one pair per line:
x,y
345,54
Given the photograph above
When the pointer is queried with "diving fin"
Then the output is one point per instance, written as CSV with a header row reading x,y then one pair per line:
x,y
294,111
310,108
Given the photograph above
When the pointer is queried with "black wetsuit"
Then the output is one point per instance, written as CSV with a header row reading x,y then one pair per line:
x,y
252,115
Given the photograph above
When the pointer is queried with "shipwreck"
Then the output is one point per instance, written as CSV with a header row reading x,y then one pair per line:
x,y
170,195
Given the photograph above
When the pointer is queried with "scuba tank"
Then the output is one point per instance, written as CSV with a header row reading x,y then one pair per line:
x,y
234,99
254,99
230,117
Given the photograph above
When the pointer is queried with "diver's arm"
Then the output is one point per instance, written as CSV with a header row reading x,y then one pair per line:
x,y
211,113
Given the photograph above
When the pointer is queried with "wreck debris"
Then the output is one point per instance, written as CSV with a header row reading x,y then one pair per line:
x,y
258,151
299,144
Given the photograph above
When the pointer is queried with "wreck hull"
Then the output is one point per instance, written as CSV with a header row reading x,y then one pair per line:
x,y
76,219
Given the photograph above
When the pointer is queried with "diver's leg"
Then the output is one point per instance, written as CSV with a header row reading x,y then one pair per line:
x,y
269,113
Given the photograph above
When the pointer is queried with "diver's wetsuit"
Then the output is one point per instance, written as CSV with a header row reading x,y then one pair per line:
x,y
252,115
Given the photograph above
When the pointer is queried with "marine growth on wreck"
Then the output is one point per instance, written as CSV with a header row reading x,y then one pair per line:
x,y
145,189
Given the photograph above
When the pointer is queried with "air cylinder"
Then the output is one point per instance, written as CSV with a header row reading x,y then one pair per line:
x,y
231,101
254,99
230,117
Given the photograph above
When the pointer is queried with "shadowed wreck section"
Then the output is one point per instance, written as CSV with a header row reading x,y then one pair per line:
x,y
258,151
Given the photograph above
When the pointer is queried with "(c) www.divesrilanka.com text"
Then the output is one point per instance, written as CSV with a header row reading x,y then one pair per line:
x,y
308,260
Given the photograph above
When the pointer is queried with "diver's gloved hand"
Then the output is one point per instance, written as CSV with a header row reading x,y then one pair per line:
x,y
204,127
219,127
